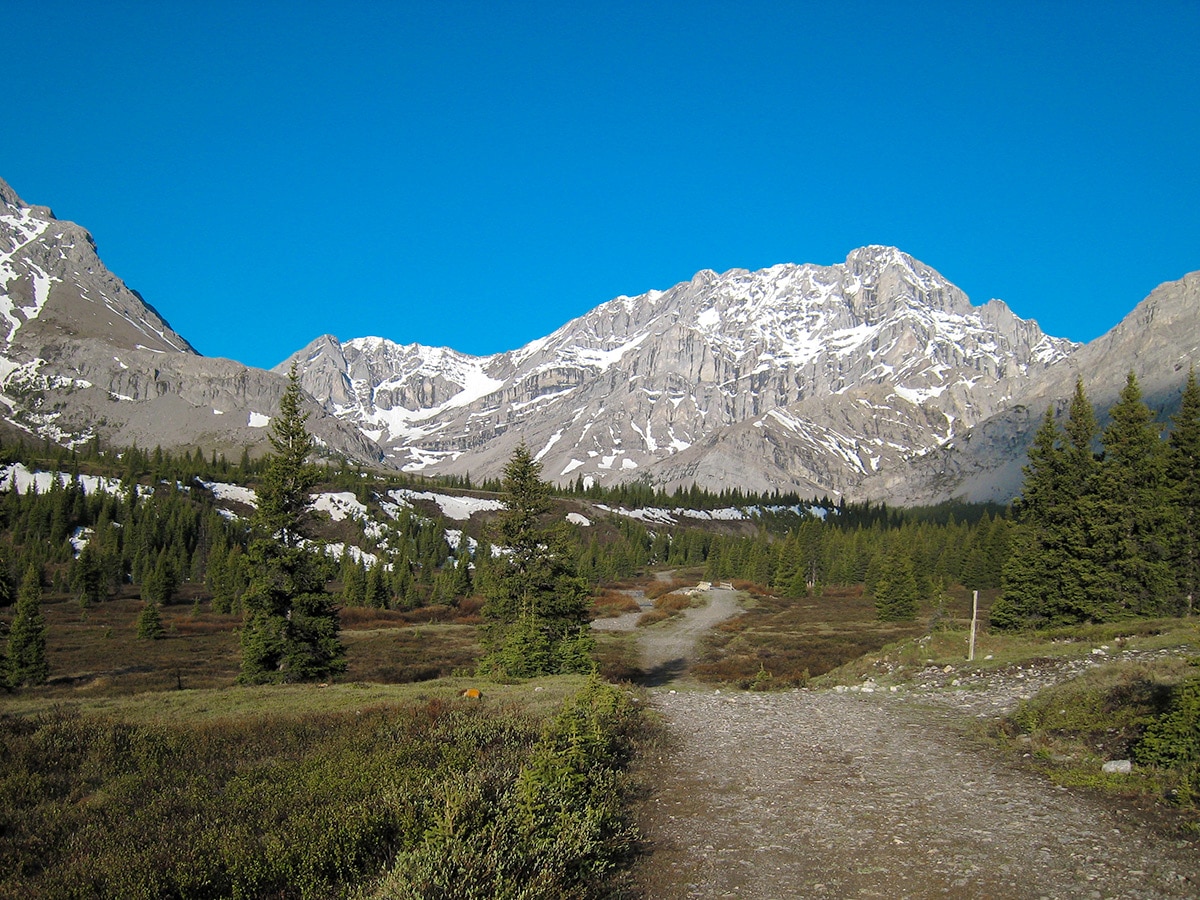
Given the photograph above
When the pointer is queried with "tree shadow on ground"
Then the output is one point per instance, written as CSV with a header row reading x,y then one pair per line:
x,y
663,673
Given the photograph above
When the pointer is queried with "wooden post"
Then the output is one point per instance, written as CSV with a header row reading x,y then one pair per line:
x,y
974,619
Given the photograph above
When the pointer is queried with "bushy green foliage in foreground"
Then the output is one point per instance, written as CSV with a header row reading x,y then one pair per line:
x,y
1173,740
1147,711
441,799
557,832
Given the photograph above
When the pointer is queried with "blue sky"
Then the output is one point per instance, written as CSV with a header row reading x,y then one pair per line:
x,y
475,174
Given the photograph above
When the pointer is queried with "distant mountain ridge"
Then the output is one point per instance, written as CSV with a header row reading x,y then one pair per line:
x,y
875,378
771,380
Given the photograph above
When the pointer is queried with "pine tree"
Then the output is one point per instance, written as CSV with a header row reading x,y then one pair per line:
x,y
291,630
896,592
149,622
27,663
354,582
535,603
1183,470
376,592
1050,574
1131,515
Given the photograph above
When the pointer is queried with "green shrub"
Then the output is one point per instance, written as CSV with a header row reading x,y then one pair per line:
x,y
1173,741
558,832
443,798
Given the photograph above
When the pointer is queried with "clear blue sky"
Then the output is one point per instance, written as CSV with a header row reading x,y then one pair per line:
x,y
474,174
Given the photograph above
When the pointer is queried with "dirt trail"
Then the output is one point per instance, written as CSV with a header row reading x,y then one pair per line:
x,y
666,649
825,794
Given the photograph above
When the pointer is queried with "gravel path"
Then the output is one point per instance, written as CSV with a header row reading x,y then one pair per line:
x,y
668,648
873,794
819,794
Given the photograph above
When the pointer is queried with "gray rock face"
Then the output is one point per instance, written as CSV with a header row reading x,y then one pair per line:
x,y
875,378
809,378
82,355
1158,341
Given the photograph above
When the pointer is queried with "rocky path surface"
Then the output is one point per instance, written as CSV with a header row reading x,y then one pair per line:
x,y
876,794
667,649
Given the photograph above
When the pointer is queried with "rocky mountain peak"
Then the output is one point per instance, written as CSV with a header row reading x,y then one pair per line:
x,y
8,197
786,362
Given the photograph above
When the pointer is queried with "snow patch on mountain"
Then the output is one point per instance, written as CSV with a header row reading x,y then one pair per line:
x,y
459,508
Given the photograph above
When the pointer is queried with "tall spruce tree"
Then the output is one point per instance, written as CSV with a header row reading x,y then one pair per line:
x,y
1131,515
535,603
1049,575
27,664
1029,577
896,592
1183,471
291,630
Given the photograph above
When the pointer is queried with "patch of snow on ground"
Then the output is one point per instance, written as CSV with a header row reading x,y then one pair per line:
x,y
729,514
458,508
710,318
917,395
422,459
340,505
258,420
232,492
554,439
339,550
645,514
454,537
577,519
22,478
79,539
571,467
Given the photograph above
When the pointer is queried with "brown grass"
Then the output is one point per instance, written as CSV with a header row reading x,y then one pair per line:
x,y
672,603
96,652
610,603
794,640
617,656
418,653
651,616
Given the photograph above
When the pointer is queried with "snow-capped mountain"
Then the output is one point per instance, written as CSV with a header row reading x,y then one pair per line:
x,y
1158,341
795,377
81,354
874,378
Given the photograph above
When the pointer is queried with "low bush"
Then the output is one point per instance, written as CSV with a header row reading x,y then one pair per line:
x,y
672,602
652,616
316,804
559,831
1172,741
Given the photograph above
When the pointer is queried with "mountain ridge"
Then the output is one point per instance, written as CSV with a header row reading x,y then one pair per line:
x,y
722,350
873,378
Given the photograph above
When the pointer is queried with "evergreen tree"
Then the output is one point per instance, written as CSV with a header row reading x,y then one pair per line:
x,y
160,585
149,622
1079,455
1050,573
1183,470
896,592
354,582
534,599
27,663
291,631
1131,515
376,591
